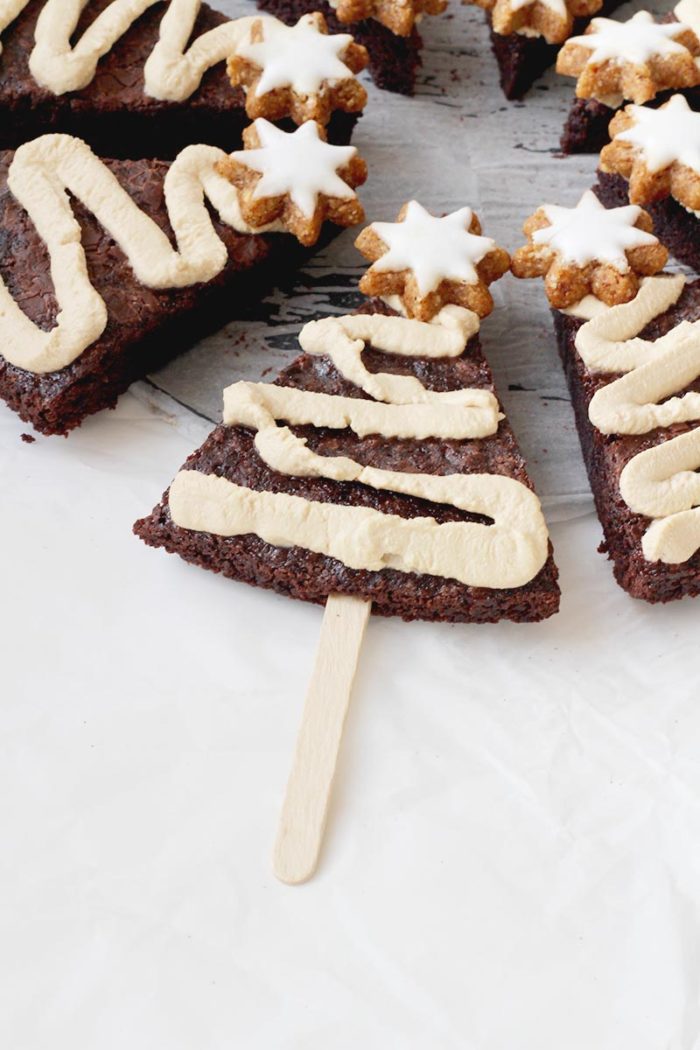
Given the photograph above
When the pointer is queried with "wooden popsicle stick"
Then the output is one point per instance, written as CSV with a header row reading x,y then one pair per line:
x,y
305,806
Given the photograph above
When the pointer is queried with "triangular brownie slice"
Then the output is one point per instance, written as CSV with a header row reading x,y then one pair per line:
x,y
378,464
631,352
142,97
99,289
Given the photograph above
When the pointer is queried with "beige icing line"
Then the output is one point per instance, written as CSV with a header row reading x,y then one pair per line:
x,y
39,176
172,72
660,482
508,553
343,339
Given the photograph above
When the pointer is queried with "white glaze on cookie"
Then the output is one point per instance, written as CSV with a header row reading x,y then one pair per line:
x,y
298,57
435,248
665,136
592,233
637,40
297,163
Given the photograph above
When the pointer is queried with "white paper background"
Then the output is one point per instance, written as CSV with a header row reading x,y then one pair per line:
x,y
513,851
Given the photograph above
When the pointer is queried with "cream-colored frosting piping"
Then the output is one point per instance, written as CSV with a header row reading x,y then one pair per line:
x,y
508,553
39,176
660,482
343,339
173,71
473,414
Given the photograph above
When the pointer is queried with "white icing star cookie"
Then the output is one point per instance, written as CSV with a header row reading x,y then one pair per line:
x,y
667,135
296,178
299,71
631,60
658,151
589,249
430,261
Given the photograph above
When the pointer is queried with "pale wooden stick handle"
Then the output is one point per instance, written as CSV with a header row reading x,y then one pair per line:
x,y
305,806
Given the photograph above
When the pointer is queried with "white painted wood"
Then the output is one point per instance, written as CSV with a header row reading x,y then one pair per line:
x,y
305,807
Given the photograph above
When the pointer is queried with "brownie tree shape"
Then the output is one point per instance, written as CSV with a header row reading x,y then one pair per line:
x,y
157,82
633,368
377,465
93,292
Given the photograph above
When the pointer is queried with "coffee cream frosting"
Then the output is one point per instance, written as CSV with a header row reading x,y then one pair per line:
x,y
661,483
508,553
173,71
42,174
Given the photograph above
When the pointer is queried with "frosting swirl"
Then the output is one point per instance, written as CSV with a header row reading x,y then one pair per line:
x,y
507,553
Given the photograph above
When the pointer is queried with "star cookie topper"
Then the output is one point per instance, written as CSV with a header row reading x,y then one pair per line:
x,y
589,250
632,60
296,179
551,19
298,71
429,261
657,151
399,16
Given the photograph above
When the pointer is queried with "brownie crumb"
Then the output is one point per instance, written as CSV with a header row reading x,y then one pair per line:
x,y
28,439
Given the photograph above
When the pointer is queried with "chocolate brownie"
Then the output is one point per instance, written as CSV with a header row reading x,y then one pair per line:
x,y
674,225
393,60
230,453
606,455
145,327
113,114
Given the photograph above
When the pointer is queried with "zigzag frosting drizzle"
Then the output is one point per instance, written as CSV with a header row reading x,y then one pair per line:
x,y
172,72
40,177
661,483
508,553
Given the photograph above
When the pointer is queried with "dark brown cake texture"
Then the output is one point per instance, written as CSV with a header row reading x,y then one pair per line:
x,y
606,456
229,453
113,114
145,326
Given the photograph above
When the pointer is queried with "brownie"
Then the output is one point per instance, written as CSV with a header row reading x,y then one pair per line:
x,y
393,60
674,225
523,59
607,454
146,327
229,452
113,114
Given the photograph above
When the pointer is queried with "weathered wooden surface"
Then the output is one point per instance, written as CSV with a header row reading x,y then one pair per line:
x,y
457,142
